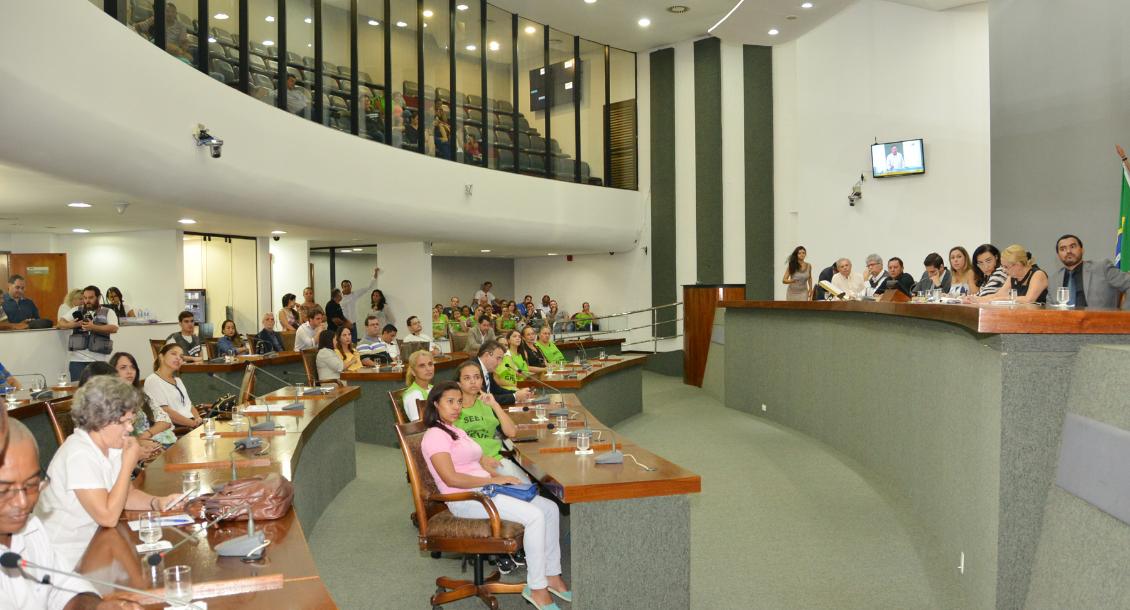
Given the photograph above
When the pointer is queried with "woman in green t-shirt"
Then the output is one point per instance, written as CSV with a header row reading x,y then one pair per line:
x,y
418,377
483,419
513,367
583,319
439,322
548,348
508,319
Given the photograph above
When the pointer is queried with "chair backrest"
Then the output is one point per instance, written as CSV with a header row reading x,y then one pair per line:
x,y
156,345
310,363
459,342
420,478
213,347
396,397
59,412
247,385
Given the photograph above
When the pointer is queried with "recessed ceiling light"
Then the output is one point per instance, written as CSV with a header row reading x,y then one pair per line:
x,y
187,221
374,22
426,25
807,5
357,249
278,232
493,45
80,230
461,7
210,39
790,18
644,22
221,16
401,24
590,1
471,47
678,9
268,43
530,29
551,254
308,20
269,19
774,32
78,204
484,251
427,13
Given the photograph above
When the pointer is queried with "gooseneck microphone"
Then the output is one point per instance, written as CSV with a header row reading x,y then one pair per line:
x,y
154,559
286,384
270,348
536,379
13,561
46,392
263,426
248,546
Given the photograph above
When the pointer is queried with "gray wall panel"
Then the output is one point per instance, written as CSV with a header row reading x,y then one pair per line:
x,y
663,287
708,158
758,91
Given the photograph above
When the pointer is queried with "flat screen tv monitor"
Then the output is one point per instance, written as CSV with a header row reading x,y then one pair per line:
x,y
558,84
898,159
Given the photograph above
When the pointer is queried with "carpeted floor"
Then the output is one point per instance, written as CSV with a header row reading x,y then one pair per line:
x,y
781,522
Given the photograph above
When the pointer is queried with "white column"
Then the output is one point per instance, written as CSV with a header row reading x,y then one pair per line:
x,y
406,281
686,242
290,269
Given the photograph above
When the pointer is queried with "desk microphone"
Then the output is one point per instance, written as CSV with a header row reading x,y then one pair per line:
x,y
262,426
13,561
46,392
613,455
248,546
585,365
285,383
537,379
270,353
154,559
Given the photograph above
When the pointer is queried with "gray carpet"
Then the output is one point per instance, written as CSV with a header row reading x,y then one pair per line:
x,y
781,522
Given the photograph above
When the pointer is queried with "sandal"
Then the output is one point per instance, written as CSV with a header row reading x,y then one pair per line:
x,y
529,596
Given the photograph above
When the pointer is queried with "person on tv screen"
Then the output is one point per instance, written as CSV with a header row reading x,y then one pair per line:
x,y
894,159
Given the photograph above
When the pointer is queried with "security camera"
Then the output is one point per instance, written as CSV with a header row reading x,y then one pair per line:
x,y
203,138
275,237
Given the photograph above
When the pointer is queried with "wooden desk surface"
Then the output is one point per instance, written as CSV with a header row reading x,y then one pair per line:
x,y
443,362
25,407
565,381
588,344
985,319
288,554
241,363
576,478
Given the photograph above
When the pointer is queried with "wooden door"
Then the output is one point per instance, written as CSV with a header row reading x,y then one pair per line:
x,y
46,276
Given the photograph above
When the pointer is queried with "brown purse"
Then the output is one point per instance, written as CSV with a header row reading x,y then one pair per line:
x,y
270,497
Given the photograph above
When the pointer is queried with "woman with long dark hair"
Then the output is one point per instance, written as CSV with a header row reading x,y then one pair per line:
x,y
288,315
146,426
379,307
798,276
988,272
457,464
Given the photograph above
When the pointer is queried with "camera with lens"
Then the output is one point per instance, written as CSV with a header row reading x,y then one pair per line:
x,y
203,138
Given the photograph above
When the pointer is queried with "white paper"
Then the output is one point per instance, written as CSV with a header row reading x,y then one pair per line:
x,y
160,545
166,521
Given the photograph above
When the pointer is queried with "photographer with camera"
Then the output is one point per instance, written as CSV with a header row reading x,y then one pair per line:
x,y
93,323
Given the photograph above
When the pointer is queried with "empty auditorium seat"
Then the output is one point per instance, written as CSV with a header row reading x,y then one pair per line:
x,y
503,106
505,121
224,69
537,144
474,117
261,80
475,101
505,160
502,140
524,141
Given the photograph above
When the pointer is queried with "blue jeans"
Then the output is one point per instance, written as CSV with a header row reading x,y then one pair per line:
x,y
76,368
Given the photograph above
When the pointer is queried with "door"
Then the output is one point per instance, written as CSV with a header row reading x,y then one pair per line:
x,y
46,276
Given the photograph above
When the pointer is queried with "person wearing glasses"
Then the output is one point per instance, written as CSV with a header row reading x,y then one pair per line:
x,y
21,484
90,473
875,278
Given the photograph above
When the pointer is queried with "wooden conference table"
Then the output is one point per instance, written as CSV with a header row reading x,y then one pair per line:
x,y
306,450
629,528
33,413
207,381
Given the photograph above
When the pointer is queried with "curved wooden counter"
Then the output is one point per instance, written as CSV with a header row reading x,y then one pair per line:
x,y
205,381
308,452
612,389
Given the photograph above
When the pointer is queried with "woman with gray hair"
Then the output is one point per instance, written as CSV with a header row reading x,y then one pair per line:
x,y
90,473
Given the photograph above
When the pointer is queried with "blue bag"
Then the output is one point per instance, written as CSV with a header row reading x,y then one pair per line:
x,y
524,492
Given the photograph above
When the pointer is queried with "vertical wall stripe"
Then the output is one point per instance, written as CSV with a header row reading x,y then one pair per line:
x,y
686,253
758,94
662,100
733,165
708,157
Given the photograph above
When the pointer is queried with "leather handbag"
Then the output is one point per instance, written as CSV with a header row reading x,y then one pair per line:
x,y
270,497
525,492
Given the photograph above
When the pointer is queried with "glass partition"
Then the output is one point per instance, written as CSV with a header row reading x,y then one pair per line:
x,y
468,120
437,78
498,103
562,90
337,68
592,112
371,69
622,119
223,41
300,57
533,96
406,95
263,32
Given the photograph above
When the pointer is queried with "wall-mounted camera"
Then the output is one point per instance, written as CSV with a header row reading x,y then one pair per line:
x,y
275,237
203,138
856,191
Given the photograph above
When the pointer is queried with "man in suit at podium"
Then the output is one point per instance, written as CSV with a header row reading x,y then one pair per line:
x,y
1089,284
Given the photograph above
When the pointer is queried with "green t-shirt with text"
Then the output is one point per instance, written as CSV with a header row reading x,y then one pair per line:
x,y
481,424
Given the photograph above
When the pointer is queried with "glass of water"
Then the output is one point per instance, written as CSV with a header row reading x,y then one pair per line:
x,y
62,379
237,417
149,527
190,481
1012,295
603,355
584,441
539,412
1062,296
209,426
178,585
562,424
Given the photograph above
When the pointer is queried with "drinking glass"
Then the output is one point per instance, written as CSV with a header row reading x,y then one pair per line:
x,y
603,355
209,426
178,585
577,359
539,412
584,441
1012,296
11,396
190,481
237,417
1062,296
149,527
562,424
62,379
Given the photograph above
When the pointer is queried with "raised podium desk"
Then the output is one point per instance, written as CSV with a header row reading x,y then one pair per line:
x,y
307,450
958,408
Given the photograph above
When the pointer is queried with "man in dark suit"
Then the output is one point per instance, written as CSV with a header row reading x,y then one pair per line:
x,y
1089,284
490,354
897,278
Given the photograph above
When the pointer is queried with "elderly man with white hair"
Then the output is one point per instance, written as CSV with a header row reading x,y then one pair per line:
x,y
850,282
876,276
268,339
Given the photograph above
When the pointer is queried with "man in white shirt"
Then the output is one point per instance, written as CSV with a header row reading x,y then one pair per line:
x,y
92,324
306,337
876,276
21,481
349,297
295,96
850,282
485,292
894,159
415,334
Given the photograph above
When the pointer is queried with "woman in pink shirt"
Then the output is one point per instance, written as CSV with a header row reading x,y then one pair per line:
x,y
457,464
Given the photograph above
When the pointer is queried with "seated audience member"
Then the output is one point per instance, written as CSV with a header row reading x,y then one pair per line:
x,y
146,427
306,337
439,322
544,307
6,325
7,380
1089,284
529,352
467,319
114,301
91,326
558,319
826,275
585,319
452,308
74,299
17,307
418,377
847,280
897,279
21,531
510,319
526,307
484,292
935,276
166,391
289,315
176,33
379,306
295,96
480,334
346,350
513,367
268,339
416,334
95,369
192,348
875,277
379,349
988,271
484,420
231,343
490,356
457,464
335,315
89,477
330,363
963,280
1025,277
548,348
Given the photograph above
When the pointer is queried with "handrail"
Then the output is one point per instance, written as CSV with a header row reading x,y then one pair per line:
x,y
655,322
628,313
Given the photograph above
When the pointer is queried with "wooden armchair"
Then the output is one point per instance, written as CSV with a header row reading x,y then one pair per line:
x,y
59,412
310,363
156,345
247,385
440,531
396,397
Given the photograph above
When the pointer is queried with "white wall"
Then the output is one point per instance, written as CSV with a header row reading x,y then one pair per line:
x,y
29,242
461,276
145,265
891,72
290,260
355,267
406,280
